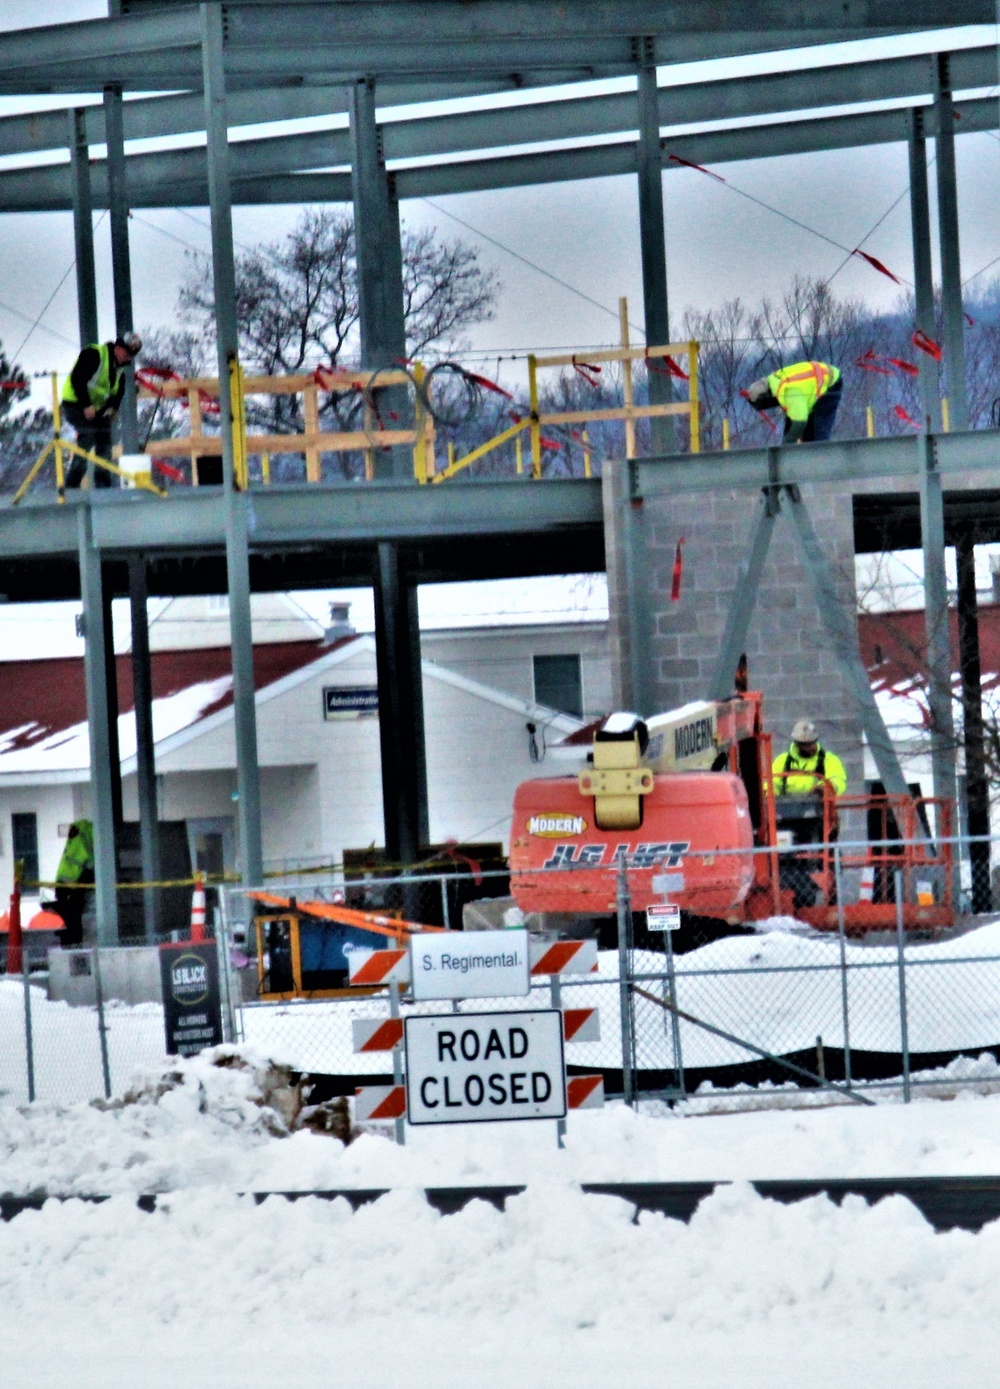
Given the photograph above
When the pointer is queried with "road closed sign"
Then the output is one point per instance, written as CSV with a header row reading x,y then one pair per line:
x,y
474,1068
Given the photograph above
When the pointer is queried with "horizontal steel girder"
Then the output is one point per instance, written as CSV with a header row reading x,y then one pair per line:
x,y
839,461
730,99
288,516
176,178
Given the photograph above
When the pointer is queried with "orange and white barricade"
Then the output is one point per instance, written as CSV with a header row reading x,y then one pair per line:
x,y
563,957
581,1025
378,967
584,1092
377,1102
377,1034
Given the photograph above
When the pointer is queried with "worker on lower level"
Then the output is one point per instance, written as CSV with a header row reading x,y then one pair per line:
x,y
801,776
808,392
75,871
90,400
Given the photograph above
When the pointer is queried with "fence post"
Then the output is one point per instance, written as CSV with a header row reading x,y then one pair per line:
x,y
626,1003
102,1029
555,997
901,957
842,939
445,914
397,1055
29,1042
675,1022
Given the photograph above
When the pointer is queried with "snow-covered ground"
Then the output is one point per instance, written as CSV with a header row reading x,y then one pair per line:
x,y
213,1292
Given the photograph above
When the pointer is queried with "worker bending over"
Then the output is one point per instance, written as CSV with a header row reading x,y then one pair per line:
x,y
808,392
800,776
90,400
76,869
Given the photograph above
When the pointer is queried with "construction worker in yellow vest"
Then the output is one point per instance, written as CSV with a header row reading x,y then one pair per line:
x,y
808,392
90,400
76,868
813,763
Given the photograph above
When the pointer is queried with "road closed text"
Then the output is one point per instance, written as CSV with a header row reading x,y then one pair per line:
x,y
476,1067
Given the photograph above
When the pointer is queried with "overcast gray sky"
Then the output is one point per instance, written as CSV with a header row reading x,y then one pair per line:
x,y
719,245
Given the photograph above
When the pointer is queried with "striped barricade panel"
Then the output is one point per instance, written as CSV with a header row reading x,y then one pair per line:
x,y
378,967
564,957
379,1102
579,1025
377,1034
584,1092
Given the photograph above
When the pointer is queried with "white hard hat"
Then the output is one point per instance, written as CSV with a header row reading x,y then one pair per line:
x,y
804,732
131,342
757,390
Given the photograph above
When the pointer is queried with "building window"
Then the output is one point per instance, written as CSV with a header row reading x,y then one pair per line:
x,y
559,683
217,602
24,842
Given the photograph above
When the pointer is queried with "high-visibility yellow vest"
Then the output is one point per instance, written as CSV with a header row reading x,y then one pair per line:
x,y
797,388
78,853
104,382
811,771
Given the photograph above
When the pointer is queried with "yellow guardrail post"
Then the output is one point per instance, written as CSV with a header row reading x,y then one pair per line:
x,y
518,456
587,471
694,401
725,433
237,404
57,439
870,421
420,470
265,468
536,432
945,416
627,393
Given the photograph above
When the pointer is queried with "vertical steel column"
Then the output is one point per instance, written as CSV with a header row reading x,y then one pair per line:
x,y
378,247
741,605
923,274
977,790
121,265
951,266
96,638
936,621
142,689
400,719
840,623
111,684
652,241
633,673
237,503
83,227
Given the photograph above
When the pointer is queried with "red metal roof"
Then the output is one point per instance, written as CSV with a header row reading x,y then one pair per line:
x,y
41,698
894,648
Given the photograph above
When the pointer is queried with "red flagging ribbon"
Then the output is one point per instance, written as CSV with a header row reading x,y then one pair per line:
x,y
490,385
588,371
869,361
475,867
675,582
926,344
903,414
970,320
167,470
672,368
760,414
153,379
14,385
676,159
876,264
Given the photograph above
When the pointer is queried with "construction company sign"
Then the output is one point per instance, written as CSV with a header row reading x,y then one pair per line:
x,y
473,1068
639,856
192,1009
470,964
556,826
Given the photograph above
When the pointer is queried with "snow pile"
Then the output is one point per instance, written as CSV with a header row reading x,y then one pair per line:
x,y
199,1124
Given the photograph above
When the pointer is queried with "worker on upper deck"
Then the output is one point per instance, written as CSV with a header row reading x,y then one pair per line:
x,y
90,400
802,770
808,392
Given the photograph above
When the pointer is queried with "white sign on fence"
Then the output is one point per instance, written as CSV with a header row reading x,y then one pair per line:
x,y
468,1068
470,964
663,916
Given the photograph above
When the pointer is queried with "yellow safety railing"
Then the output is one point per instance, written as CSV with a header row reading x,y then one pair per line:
x,y
535,422
312,441
58,447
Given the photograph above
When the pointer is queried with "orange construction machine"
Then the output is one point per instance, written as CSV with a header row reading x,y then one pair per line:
x,y
687,798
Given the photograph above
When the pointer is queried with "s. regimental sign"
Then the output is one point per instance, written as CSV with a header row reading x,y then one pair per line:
x,y
192,1009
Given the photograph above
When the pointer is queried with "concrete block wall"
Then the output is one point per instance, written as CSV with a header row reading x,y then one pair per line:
x,y
790,655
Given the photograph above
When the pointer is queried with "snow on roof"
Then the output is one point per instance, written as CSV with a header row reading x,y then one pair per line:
x,y
894,650
43,704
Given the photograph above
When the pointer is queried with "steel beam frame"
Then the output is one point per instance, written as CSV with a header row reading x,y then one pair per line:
x,y
235,503
83,229
951,269
936,619
923,277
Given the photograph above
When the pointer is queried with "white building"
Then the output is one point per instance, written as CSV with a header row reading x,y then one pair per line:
x,y
317,732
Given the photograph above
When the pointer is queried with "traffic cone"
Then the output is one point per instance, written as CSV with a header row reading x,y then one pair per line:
x,y
867,891
198,908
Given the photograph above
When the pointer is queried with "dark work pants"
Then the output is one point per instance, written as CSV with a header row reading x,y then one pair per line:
x,y
94,436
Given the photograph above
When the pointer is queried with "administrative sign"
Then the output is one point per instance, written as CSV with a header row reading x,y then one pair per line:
x,y
475,1068
192,1009
470,964
350,702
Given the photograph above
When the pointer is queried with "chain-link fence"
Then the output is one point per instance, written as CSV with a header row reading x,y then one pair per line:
x,y
842,972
